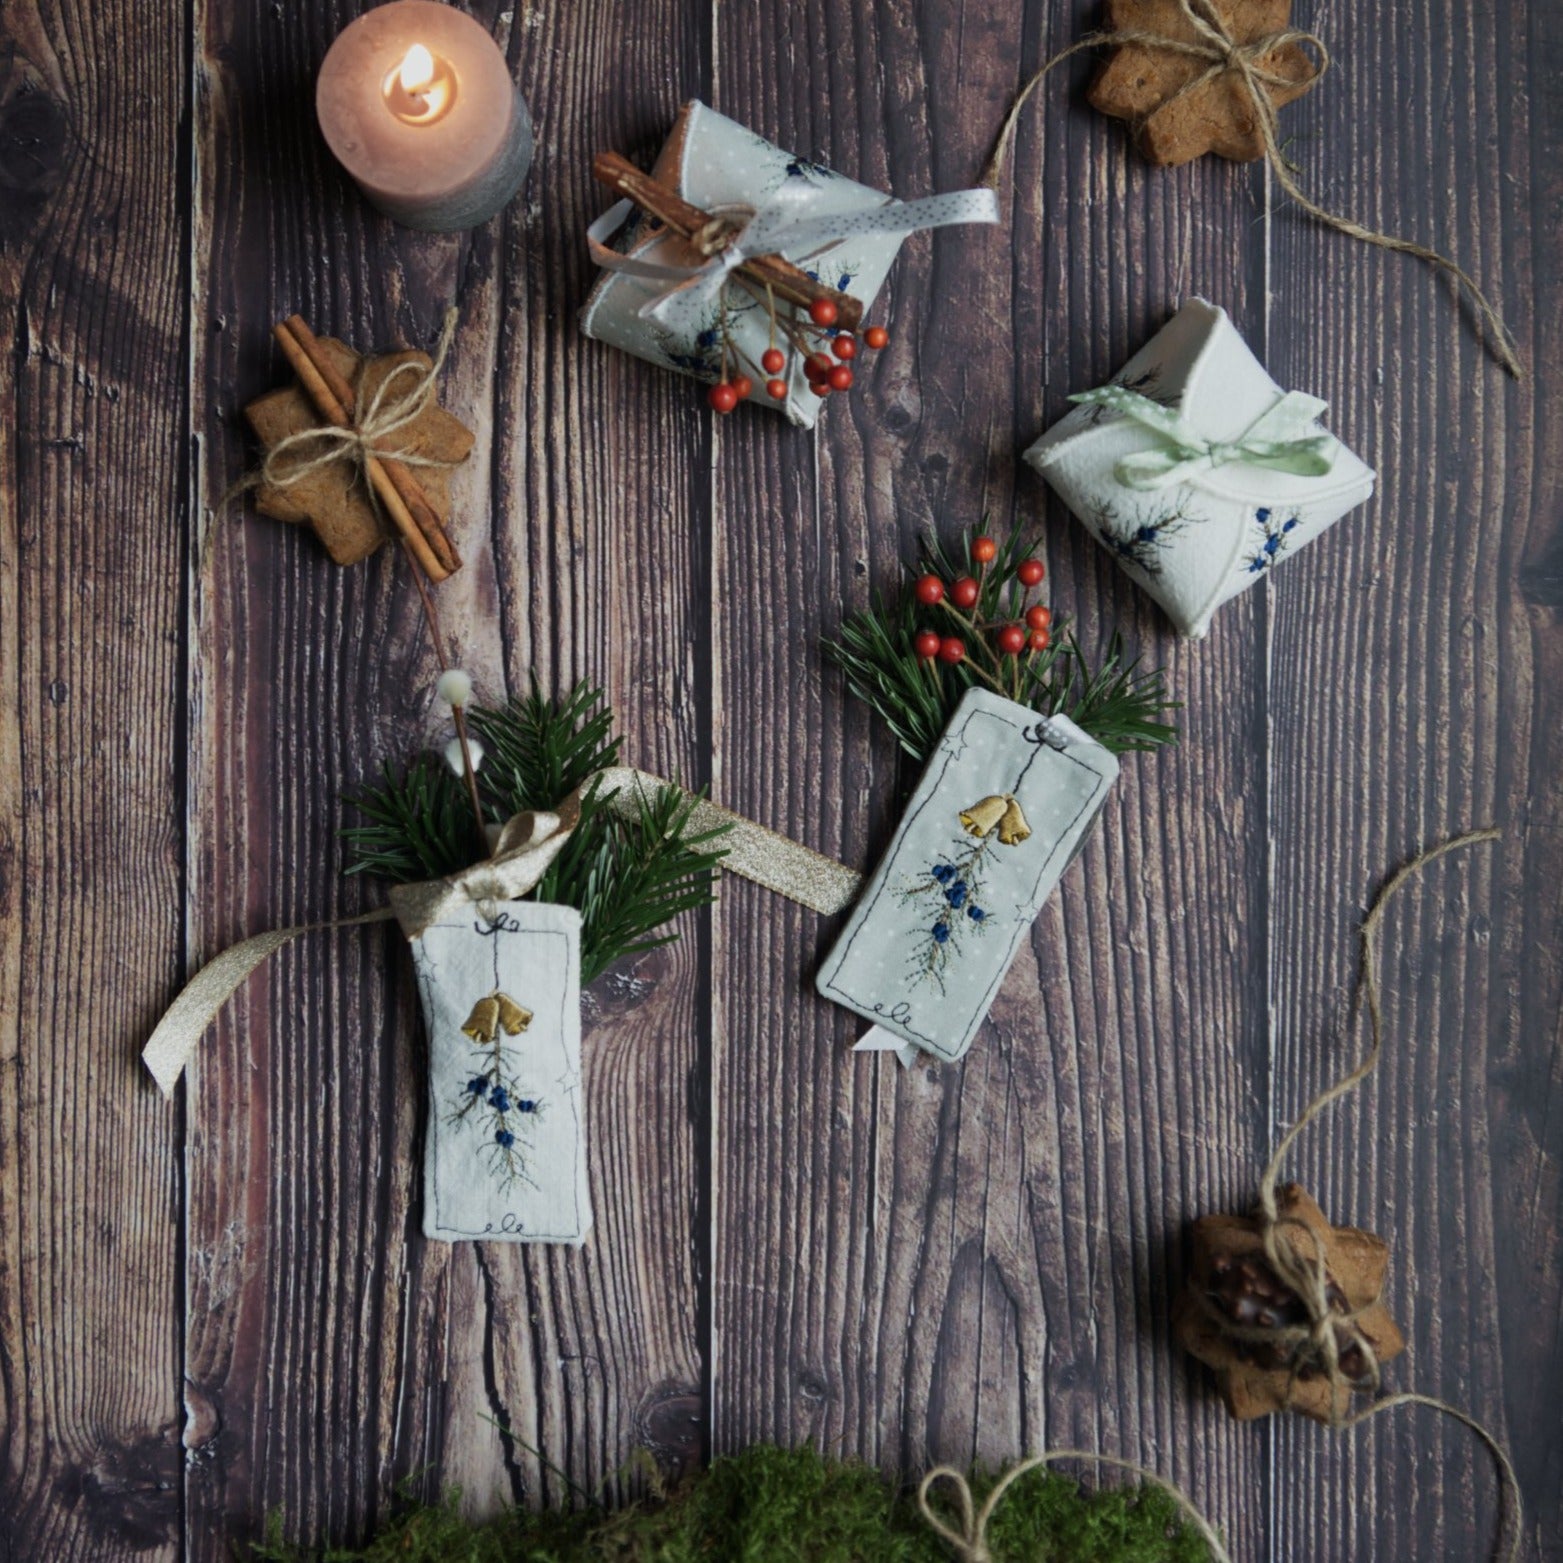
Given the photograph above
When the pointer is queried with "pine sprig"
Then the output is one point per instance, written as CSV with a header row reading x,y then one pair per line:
x,y
419,825
627,874
540,749
1113,701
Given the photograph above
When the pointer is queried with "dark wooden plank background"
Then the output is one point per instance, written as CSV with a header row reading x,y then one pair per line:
x,y
223,1307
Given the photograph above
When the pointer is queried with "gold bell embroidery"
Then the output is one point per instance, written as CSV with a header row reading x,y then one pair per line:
x,y
980,818
483,1023
496,1011
515,1018
1002,810
1013,828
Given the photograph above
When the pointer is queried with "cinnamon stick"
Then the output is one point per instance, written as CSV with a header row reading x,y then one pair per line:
x,y
433,553
406,481
674,212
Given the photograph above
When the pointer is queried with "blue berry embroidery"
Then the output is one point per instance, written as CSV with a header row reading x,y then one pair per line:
x,y
1138,540
956,881
1273,542
489,1097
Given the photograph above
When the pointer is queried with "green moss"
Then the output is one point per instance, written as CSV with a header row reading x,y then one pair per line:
x,y
770,1505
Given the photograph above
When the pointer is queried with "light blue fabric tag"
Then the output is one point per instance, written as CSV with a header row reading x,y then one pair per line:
x,y
1002,808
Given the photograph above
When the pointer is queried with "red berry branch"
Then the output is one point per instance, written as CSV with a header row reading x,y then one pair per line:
x,y
826,350
993,644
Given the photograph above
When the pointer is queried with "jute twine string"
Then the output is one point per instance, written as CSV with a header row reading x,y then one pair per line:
x,y
1313,1345
971,1540
1215,45
1330,1333
385,416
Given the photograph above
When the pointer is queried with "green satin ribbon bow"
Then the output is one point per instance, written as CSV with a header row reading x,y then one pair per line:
x,y
1285,439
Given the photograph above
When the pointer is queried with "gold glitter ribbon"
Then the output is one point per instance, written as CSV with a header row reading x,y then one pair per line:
x,y
527,845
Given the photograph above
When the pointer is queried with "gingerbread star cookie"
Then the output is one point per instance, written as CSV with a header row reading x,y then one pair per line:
x,y
1231,1286
1143,84
334,500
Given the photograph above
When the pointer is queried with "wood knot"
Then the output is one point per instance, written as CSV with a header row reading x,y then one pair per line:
x,y
35,137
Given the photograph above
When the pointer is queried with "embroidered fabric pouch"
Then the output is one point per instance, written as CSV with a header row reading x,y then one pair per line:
x,y
719,165
1211,531
505,1156
1001,810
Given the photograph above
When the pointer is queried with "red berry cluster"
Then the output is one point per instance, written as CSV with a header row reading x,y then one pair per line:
x,y
827,355
960,597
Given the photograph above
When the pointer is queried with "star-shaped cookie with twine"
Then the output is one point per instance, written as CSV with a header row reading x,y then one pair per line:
x,y
1258,1334
1173,77
333,497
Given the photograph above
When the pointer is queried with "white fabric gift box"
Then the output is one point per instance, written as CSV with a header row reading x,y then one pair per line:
x,y
1195,470
847,237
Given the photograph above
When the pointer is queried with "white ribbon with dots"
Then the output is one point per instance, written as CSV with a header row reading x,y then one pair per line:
x,y
781,226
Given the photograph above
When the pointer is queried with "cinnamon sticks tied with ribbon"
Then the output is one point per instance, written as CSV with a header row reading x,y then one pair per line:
x,y
710,234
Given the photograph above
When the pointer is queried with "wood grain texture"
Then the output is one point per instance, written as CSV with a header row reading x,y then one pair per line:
x,y
975,1261
791,1242
92,544
331,1349
1413,693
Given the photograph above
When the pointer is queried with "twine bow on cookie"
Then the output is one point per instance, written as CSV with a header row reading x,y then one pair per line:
x,y
1213,44
366,437
1284,439
1330,1341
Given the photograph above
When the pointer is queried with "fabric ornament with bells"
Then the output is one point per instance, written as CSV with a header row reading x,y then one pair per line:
x,y
1195,470
499,969
1009,791
499,981
754,265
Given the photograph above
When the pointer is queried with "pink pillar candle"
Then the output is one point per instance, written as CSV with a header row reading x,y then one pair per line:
x,y
417,104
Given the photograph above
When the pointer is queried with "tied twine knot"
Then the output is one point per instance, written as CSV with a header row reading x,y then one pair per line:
x,y
1214,44
386,414
715,235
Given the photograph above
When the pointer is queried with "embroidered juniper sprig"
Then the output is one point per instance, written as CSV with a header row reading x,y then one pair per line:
x,y
948,904
492,1096
1138,540
951,891
968,620
1273,542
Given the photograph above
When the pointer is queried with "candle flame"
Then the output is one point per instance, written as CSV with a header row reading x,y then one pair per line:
x,y
417,70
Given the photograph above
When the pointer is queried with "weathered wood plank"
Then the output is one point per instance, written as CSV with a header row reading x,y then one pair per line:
x,y
977,1261
600,532
332,1350
1414,692
92,547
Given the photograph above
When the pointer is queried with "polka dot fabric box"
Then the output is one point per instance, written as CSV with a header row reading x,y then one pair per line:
x,y
719,165
1195,471
1000,812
